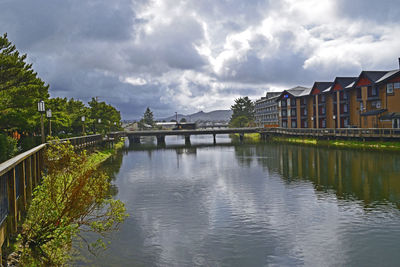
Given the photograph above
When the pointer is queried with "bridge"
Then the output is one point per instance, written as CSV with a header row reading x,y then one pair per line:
x,y
134,136
327,133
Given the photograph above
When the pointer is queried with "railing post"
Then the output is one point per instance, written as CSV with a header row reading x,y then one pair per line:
x,y
29,179
12,200
34,180
23,183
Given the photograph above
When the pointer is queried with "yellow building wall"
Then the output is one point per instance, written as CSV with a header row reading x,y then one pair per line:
x,y
329,110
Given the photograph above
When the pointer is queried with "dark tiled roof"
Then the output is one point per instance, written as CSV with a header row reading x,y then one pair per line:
x,y
373,75
345,81
295,91
322,86
388,75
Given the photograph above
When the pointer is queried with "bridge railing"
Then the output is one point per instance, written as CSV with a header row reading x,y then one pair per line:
x,y
339,132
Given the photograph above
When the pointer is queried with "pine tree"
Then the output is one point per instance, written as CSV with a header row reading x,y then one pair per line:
x,y
243,111
148,117
18,79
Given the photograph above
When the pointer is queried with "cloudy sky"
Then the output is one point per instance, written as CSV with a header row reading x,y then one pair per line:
x,y
193,55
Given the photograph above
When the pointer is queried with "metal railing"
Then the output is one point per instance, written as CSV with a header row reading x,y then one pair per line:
x,y
339,132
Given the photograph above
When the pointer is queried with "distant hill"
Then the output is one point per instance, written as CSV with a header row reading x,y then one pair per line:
x,y
216,116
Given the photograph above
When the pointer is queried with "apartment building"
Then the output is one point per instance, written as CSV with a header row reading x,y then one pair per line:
x,y
266,110
292,108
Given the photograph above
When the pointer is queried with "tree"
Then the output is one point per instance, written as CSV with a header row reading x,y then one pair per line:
x,y
241,121
183,120
110,117
74,195
148,117
243,107
20,90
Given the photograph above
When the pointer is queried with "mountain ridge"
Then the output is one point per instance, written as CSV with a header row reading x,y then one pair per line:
x,y
215,116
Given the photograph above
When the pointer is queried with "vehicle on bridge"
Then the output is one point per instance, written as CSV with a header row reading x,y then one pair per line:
x,y
185,126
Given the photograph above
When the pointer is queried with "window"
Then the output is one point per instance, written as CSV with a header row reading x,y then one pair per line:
x,y
293,112
374,91
361,106
288,112
345,109
389,88
305,124
323,123
304,112
323,98
294,124
323,110
345,95
396,85
283,113
283,103
346,122
293,102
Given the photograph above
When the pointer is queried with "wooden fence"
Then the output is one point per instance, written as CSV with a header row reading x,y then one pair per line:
x,y
18,178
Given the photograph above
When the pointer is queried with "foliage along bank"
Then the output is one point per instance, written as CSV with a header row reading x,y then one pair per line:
x,y
74,195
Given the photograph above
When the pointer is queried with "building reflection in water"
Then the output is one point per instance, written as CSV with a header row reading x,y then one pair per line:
x,y
370,176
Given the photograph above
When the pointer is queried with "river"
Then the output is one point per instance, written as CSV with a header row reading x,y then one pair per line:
x,y
253,205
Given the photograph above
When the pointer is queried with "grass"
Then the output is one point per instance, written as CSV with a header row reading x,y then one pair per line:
x,y
252,137
374,145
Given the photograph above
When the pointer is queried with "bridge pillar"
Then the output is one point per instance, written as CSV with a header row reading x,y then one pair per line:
x,y
187,140
160,139
241,137
134,140
215,139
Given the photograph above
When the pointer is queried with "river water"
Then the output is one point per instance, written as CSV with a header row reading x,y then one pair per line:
x,y
253,205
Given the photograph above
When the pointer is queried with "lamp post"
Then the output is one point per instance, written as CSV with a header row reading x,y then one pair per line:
x,y
334,121
48,115
99,121
83,125
41,109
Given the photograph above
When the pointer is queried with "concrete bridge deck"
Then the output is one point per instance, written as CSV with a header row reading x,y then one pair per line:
x,y
134,136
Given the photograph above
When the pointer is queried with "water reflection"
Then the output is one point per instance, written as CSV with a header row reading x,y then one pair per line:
x,y
254,205
366,175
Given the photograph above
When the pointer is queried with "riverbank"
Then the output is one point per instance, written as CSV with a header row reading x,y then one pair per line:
x,y
373,145
91,161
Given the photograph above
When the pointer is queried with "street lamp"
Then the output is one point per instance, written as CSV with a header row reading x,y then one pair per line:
x,y
41,109
334,121
99,121
83,125
48,115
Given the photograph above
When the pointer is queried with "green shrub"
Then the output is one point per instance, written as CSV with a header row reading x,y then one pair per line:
x,y
8,147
